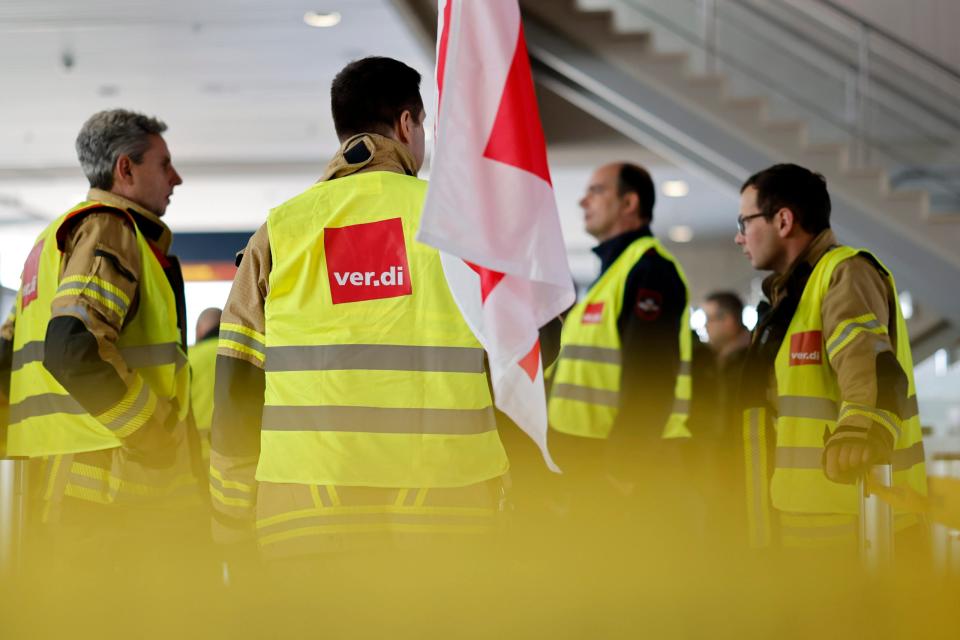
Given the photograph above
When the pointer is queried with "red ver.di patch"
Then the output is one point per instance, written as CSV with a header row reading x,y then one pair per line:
x,y
29,280
367,261
593,314
806,348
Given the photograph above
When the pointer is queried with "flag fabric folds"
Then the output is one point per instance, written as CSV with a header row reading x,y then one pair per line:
x,y
490,206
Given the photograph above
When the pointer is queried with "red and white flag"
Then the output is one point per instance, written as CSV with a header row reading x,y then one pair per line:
x,y
490,206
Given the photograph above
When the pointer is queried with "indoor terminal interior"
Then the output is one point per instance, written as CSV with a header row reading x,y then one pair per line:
x,y
700,94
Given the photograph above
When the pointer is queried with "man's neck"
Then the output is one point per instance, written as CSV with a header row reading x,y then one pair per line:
x,y
793,250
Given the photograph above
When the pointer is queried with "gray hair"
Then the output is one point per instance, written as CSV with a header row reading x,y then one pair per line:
x,y
106,136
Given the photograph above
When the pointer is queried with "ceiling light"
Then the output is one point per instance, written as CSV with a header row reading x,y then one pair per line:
x,y
680,233
321,19
675,188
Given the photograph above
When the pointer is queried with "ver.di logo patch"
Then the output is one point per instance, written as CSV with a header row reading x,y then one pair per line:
x,y
29,280
593,314
806,348
367,261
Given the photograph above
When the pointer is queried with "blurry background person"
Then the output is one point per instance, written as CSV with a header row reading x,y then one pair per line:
x,y
722,446
203,362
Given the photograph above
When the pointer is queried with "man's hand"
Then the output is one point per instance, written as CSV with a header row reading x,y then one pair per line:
x,y
846,460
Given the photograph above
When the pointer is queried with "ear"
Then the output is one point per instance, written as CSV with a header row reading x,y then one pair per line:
x,y
123,169
786,222
631,202
403,129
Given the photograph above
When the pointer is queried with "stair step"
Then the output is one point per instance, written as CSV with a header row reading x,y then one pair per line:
x,y
747,112
790,132
826,157
705,88
875,181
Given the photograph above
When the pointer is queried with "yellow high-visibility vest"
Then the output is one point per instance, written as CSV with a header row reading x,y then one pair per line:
x,y
44,419
372,376
585,397
203,367
809,404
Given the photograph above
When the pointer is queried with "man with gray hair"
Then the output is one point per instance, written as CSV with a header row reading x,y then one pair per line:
x,y
97,383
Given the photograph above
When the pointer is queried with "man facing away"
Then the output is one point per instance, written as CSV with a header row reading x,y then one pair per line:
x,y
98,386
829,370
352,405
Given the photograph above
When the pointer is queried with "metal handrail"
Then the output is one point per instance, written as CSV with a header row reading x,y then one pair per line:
x,y
910,96
852,66
857,128
796,97
886,35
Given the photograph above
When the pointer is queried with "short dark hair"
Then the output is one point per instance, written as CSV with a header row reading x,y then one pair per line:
x,y
370,95
729,303
793,187
636,179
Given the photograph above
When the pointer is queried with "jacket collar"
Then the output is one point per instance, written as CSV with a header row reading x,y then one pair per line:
x,y
775,286
370,152
609,250
149,223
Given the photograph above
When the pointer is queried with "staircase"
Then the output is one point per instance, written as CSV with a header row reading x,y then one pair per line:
x,y
610,59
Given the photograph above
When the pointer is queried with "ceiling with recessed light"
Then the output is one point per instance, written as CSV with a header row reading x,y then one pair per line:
x,y
244,88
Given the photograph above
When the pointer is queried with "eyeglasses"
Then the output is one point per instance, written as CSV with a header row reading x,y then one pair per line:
x,y
742,221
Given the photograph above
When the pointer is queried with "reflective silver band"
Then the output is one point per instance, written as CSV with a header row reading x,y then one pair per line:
x,y
80,286
681,406
810,457
592,354
230,492
378,420
586,394
244,339
44,404
903,459
758,474
806,407
877,415
152,355
374,357
850,328
685,368
30,352
374,519
133,410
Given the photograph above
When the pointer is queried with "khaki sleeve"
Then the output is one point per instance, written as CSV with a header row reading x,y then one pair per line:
x,y
859,326
98,281
243,324
238,395
99,287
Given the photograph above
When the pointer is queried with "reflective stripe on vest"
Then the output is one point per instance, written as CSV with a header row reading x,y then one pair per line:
x,y
366,386
44,419
585,396
809,404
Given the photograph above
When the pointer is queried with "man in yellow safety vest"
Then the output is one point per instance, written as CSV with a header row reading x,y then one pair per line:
x,y
828,384
95,347
352,405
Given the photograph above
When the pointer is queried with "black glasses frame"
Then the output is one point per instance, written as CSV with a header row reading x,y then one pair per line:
x,y
742,221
